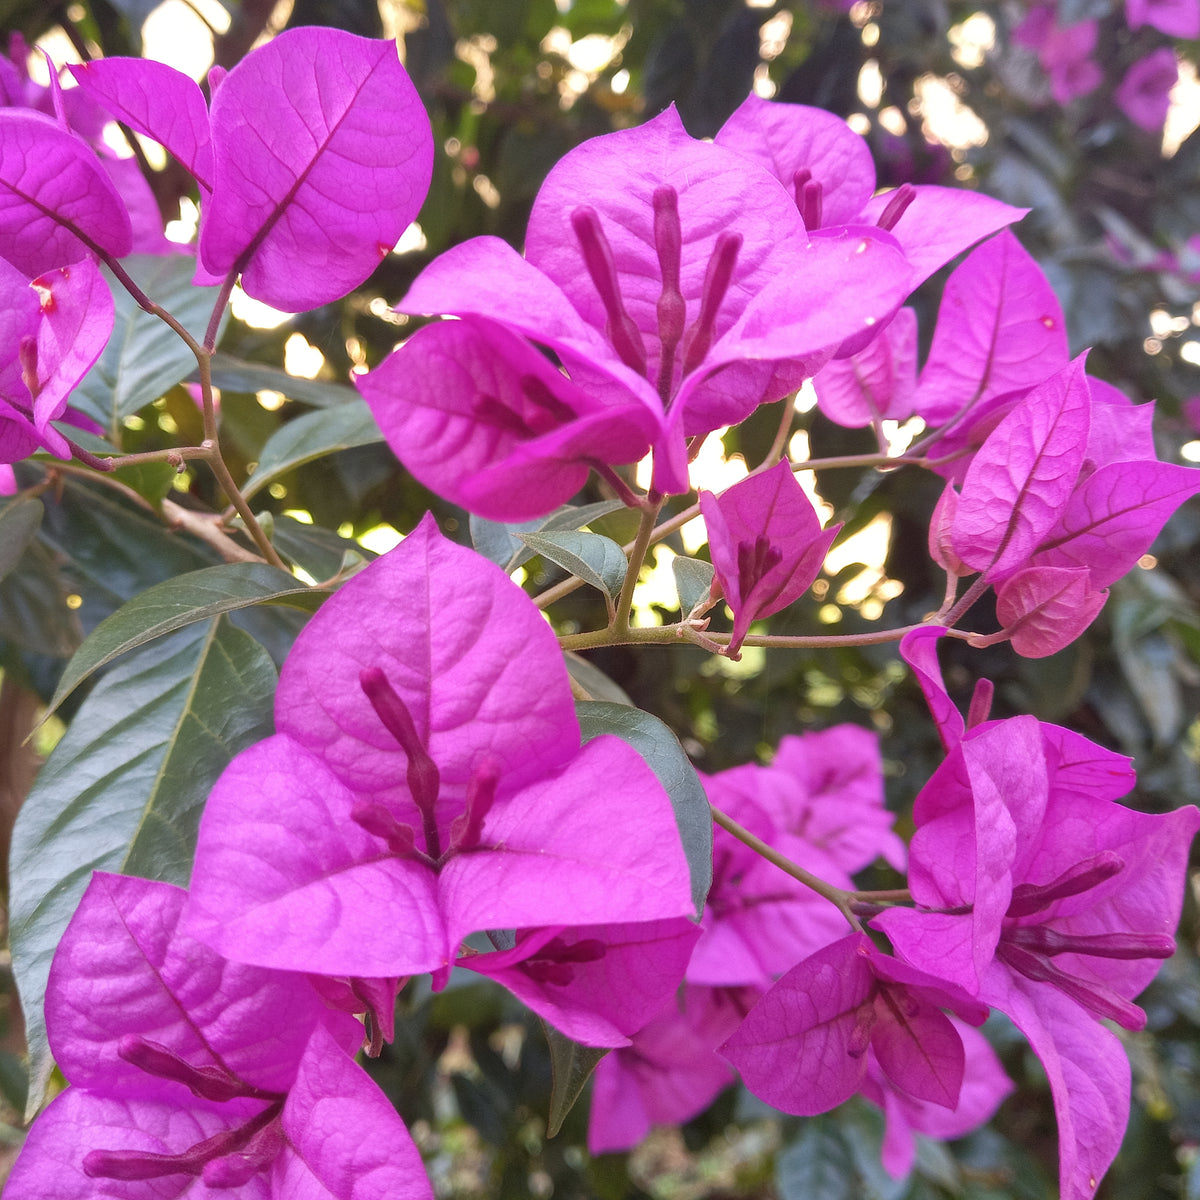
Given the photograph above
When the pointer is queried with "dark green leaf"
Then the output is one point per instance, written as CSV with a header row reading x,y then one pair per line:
x,y
817,1165
34,615
597,560
502,543
236,375
655,742
312,436
592,680
321,552
178,602
571,1066
110,551
693,581
144,356
124,788
20,519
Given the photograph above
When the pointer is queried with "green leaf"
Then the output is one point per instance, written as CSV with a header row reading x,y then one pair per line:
x,y
144,357
693,581
237,375
502,544
571,1066
817,1165
20,519
124,788
597,560
178,602
655,742
34,615
592,680
319,551
312,436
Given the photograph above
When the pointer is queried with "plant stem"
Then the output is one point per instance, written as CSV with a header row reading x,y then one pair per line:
x,y
841,899
637,556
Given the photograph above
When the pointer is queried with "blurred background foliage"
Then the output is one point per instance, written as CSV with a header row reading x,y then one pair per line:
x,y
943,94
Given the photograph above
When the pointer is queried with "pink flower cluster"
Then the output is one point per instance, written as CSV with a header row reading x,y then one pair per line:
x,y
1065,52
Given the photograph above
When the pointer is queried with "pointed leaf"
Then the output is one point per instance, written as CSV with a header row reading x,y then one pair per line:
x,y
597,560
311,436
588,678
571,1066
145,357
693,581
322,156
501,541
817,1166
179,602
124,789
655,742
237,375
20,520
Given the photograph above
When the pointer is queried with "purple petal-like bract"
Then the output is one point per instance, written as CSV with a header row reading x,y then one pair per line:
x,y
1018,484
155,100
322,155
189,1072
57,205
1114,515
483,419
802,1048
1145,93
77,319
670,1073
1068,921
1043,609
1000,328
426,782
766,543
655,283
597,984
878,382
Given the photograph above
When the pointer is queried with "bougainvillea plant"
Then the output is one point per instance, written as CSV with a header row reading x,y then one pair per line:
x,y
441,788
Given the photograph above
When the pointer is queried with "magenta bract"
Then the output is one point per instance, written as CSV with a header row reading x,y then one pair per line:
x,y
670,1073
766,544
426,782
597,984
827,168
485,420
57,204
1046,899
653,281
802,1048
322,155
184,1067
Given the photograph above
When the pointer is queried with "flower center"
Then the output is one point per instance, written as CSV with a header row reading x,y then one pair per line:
x,y
675,337
1028,949
227,1159
424,782
754,560
809,195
